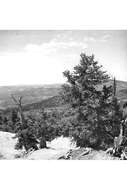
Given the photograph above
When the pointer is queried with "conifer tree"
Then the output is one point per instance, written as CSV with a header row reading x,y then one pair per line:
x,y
89,97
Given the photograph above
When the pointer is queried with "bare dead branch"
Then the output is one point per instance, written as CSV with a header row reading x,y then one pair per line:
x,y
14,99
18,102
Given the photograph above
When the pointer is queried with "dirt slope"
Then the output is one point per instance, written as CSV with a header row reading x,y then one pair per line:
x,y
7,144
93,155
56,148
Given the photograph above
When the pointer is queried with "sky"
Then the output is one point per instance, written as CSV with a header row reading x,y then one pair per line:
x,y
40,57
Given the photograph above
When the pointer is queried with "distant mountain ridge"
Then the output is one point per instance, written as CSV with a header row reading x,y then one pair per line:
x,y
30,93
121,90
37,96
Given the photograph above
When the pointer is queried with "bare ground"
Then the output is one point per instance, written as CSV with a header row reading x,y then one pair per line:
x,y
93,155
57,148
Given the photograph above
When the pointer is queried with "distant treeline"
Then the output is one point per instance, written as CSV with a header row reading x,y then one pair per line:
x,y
47,103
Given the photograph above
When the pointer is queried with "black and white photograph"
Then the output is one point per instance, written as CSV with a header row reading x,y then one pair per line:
x,y
63,95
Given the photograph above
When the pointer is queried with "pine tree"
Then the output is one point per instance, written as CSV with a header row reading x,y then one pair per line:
x,y
88,97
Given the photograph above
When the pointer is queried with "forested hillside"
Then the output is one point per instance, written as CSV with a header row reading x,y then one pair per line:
x,y
36,97
31,94
89,108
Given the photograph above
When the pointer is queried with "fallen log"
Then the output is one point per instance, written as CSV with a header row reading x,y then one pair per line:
x,y
87,151
67,156
110,151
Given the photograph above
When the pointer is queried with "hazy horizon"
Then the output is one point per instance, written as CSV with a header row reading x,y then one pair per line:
x,y
40,57
14,85
50,84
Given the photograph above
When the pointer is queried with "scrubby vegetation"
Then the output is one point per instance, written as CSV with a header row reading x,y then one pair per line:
x,y
86,109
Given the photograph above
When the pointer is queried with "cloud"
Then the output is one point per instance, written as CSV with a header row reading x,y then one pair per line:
x,y
41,63
92,39
105,38
89,39
55,45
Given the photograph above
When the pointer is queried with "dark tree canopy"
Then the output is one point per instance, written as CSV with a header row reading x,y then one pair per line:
x,y
89,95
